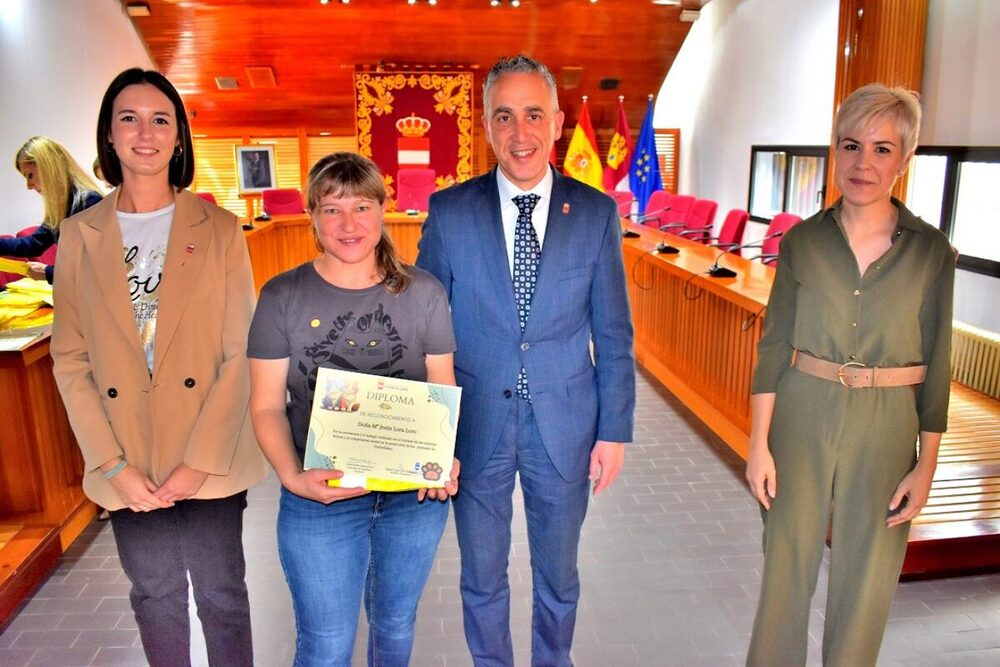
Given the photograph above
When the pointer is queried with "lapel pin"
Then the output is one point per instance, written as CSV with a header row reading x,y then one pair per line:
x,y
565,208
189,249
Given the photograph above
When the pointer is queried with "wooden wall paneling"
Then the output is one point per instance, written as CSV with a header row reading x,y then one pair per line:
x,y
20,489
668,151
879,41
691,331
40,471
286,241
197,40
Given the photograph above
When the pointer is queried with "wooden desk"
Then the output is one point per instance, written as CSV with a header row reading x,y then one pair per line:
x,y
42,507
285,241
697,334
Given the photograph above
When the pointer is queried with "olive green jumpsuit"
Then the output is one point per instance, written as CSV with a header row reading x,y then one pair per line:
x,y
846,448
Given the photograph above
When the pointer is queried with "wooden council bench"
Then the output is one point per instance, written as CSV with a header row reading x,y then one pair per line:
x,y
958,531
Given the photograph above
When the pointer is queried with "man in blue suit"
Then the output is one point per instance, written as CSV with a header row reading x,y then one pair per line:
x,y
532,263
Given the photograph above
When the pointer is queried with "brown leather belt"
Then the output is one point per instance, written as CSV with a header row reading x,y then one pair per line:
x,y
855,374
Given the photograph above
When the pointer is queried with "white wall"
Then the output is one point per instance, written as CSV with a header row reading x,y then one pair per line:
x,y
749,72
762,72
961,101
961,87
56,60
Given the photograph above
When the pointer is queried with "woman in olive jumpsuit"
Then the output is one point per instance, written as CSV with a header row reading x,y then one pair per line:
x,y
861,284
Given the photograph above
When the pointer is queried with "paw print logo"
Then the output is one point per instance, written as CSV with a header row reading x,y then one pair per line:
x,y
431,471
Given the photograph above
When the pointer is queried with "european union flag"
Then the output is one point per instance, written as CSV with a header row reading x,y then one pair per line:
x,y
644,175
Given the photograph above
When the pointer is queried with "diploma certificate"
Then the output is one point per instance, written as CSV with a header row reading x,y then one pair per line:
x,y
385,434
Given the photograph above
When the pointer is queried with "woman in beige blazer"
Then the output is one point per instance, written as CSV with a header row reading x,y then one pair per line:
x,y
150,359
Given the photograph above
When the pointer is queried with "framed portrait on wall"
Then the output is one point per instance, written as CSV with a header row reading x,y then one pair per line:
x,y
255,168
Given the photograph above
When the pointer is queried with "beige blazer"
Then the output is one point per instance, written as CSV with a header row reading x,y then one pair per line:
x,y
194,408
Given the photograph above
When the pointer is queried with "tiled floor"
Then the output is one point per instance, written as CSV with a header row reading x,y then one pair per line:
x,y
670,562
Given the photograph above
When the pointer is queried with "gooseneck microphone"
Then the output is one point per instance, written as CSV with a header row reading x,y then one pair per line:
x,y
717,271
661,247
649,215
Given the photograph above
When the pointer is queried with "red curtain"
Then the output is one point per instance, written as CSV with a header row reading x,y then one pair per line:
x,y
406,119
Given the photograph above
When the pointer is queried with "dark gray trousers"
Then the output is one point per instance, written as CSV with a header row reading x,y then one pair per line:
x,y
159,549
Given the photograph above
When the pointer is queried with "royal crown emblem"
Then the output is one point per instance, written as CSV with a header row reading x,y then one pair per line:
x,y
413,126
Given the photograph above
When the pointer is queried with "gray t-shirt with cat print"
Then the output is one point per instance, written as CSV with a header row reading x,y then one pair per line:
x,y
302,317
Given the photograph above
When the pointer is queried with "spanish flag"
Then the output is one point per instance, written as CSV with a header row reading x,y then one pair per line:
x,y
619,153
582,161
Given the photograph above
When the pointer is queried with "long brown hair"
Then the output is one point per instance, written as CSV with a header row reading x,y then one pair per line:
x,y
349,174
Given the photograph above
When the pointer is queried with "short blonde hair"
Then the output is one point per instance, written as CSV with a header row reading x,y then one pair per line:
x,y
351,175
876,102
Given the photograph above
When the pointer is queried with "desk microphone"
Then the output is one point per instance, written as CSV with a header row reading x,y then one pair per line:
x,y
661,247
717,271
641,219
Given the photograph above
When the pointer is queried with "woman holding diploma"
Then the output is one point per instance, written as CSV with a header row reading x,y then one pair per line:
x,y
355,307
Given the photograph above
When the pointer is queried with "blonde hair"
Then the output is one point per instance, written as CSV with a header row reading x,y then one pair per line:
x,y
876,102
62,177
349,174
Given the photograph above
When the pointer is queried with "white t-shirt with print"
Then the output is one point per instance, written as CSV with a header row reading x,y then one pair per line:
x,y
144,237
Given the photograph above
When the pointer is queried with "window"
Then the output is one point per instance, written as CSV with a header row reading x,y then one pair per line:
x,y
786,178
954,188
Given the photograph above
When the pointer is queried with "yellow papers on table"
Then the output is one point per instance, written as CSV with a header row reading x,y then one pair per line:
x,y
13,266
385,434
20,304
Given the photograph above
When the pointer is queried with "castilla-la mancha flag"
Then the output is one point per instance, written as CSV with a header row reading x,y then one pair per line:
x,y
619,153
582,161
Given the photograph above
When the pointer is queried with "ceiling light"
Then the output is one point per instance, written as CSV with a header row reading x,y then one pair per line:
x,y
138,9
673,3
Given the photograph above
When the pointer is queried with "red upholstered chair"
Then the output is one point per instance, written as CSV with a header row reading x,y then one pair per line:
x,y
676,215
657,205
731,234
207,196
700,219
780,223
414,187
282,201
623,199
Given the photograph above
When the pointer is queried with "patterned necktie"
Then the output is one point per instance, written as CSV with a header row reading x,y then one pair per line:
x,y
527,252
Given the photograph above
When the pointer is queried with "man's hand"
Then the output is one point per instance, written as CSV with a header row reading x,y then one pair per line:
x,y
606,461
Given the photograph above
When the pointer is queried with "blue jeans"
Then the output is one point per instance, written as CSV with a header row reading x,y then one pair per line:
x,y
381,545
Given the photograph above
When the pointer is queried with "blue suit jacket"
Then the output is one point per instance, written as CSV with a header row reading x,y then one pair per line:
x,y
580,297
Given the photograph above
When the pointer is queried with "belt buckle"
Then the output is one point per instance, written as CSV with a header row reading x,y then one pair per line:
x,y
840,371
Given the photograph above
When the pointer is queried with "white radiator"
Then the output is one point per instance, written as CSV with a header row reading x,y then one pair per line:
x,y
975,358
